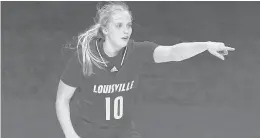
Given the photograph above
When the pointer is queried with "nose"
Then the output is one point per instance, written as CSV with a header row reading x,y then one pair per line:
x,y
126,30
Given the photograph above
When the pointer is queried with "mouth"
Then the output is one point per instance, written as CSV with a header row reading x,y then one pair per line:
x,y
125,38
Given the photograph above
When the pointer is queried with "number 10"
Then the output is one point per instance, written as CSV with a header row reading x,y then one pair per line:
x,y
118,105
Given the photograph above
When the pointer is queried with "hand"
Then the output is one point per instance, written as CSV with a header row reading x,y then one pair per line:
x,y
219,49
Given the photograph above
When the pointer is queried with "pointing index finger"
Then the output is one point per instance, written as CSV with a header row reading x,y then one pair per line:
x,y
229,48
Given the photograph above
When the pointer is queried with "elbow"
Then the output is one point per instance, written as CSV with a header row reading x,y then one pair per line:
x,y
167,58
61,106
164,54
58,104
61,102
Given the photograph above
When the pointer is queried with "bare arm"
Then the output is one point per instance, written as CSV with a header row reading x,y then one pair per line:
x,y
187,50
64,95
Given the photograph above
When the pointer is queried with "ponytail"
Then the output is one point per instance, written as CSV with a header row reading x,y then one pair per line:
x,y
87,56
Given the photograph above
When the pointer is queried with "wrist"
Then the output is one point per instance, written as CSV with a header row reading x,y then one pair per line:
x,y
207,45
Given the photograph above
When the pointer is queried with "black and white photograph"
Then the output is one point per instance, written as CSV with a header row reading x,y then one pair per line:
x,y
130,69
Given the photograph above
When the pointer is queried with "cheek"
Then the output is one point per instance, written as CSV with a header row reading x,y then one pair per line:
x,y
113,32
114,37
131,30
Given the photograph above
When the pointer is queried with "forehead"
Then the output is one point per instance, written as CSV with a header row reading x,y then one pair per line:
x,y
121,16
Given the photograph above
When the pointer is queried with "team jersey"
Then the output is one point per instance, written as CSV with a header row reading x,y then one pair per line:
x,y
107,96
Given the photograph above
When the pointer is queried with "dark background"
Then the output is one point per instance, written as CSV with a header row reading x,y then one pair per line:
x,y
203,97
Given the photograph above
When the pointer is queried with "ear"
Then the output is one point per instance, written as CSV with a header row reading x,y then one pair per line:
x,y
104,30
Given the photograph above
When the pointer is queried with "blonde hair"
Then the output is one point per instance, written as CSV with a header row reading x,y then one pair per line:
x,y
84,39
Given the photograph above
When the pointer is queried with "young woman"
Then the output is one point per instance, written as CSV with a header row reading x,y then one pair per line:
x,y
105,69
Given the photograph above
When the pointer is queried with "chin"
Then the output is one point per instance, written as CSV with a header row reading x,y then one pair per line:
x,y
123,44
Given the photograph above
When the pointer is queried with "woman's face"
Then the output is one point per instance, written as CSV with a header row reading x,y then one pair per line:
x,y
119,29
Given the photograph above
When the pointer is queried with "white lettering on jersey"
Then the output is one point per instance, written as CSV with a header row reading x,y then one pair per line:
x,y
100,88
123,87
113,87
116,85
105,88
120,87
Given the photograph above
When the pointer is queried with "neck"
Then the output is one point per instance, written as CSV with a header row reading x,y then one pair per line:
x,y
109,49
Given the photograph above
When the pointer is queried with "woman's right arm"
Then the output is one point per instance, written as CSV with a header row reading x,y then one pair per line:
x,y
64,94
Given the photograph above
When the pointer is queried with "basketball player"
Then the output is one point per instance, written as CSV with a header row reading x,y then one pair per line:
x,y
105,69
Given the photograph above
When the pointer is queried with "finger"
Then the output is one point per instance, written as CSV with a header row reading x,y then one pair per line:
x,y
218,55
223,52
229,48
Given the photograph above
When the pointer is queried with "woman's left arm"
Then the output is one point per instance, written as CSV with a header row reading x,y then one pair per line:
x,y
186,50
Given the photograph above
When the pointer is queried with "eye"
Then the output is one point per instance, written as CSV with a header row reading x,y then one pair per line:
x,y
119,25
129,25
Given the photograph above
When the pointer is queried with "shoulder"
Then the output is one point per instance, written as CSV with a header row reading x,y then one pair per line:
x,y
72,72
138,44
144,45
76,57
143,51
74,63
